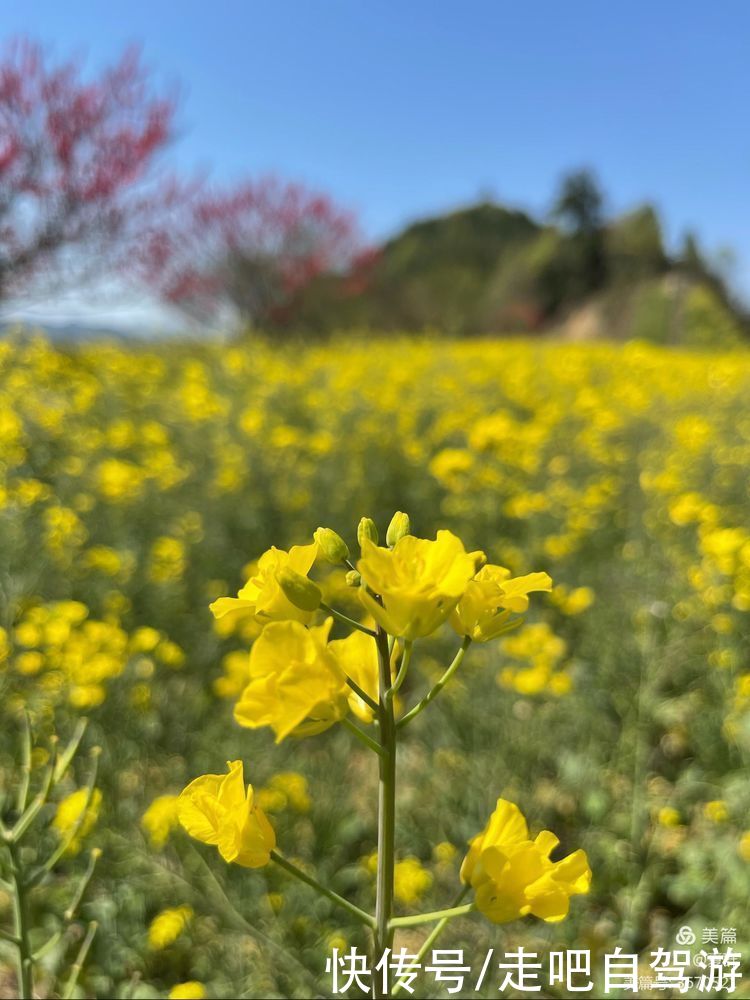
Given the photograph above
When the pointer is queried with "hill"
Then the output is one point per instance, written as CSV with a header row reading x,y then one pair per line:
x,y
489,268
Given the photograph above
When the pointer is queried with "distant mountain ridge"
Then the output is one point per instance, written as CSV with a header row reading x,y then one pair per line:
x,y
72,330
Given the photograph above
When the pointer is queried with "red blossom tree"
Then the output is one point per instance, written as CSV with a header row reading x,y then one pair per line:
x,y
81,197
76,157
250,250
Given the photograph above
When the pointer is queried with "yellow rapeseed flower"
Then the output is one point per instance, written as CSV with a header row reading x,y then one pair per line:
x,y
420,582
286,789
235,676
513,875
444,852
295,683
262,594
160,819
190,990
144,639
69,812
491,598
668,816
578,601
411,881
716,811
167,926
357,657
216,809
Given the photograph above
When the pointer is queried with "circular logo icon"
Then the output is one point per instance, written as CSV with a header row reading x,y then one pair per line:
x,y
685,935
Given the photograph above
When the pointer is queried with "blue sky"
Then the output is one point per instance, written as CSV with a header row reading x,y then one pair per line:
x,y
402,109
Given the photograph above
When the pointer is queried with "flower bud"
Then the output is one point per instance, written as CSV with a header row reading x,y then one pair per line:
x,y
367,529
400,525
353,578
298,590
332,547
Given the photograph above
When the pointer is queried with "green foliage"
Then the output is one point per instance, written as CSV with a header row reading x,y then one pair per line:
x,y
523,289
579,203
435,273
653,312
709,323
487,268
634,246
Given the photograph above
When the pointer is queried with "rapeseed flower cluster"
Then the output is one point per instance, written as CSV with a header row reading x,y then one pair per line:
x,y
61,653
135,482
297,678
299,682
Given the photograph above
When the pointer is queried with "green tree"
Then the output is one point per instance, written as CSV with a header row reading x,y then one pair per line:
x,y
634,246
581,266
580,203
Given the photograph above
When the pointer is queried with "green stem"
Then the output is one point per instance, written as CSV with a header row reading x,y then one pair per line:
x,y
48,945
402,670
432,937
329,894
362,736
42,870
346,620
23,788
211,888
435,691
21,927
75,902
386,807
39,801
427,918
64,759
7,936
77,967
361,693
